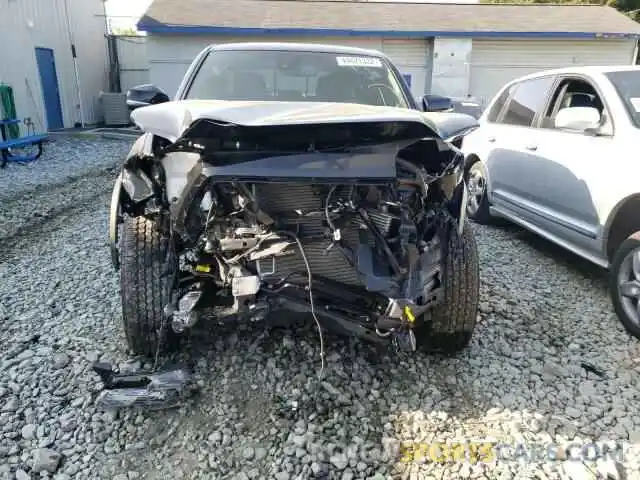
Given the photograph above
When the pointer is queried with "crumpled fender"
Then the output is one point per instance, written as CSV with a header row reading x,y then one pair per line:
x,y
114,219
132,186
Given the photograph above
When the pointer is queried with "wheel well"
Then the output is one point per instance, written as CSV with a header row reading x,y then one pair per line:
x,y
468,162
625,221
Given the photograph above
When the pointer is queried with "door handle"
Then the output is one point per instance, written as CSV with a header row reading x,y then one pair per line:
x,y
533,148
491,139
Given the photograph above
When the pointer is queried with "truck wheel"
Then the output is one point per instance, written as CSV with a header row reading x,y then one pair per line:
x,y
145,287
625,284
451,324
478,204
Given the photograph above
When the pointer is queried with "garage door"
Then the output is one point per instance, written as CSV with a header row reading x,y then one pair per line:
x,y
413,59
496,62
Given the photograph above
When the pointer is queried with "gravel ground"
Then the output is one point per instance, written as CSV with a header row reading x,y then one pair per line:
x,y
259,413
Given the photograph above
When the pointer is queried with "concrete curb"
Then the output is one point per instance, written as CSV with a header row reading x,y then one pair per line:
x,y
118,136
98,133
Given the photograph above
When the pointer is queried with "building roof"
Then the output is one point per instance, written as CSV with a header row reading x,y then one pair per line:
x,y
357,18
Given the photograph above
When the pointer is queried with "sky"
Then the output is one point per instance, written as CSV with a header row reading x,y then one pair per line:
x,y
126,12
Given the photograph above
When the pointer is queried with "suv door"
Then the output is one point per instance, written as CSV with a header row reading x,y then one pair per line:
x,y
570,164
513,164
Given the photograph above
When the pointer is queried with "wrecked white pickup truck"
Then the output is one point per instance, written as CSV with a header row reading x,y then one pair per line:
x,y
288,180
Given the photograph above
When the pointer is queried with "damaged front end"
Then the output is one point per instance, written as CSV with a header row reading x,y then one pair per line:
x,y
347,219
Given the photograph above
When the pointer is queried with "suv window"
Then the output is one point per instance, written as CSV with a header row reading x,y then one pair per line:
x,y
627,85
528,99
274,75
496,108
572,93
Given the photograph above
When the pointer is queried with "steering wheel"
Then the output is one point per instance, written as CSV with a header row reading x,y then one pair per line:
x,y
381,88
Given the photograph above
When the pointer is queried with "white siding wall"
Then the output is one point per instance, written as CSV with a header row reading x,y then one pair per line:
x,y
89,29
412,57
170,56
134,61
496,62
27,24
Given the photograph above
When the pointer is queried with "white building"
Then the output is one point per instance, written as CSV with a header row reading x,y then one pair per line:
x,y
37,60
442,48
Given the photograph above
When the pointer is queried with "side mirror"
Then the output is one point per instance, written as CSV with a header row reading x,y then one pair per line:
x,y
144,95
436,103
578,118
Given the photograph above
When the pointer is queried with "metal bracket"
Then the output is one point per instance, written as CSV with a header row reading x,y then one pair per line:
x,y
148,390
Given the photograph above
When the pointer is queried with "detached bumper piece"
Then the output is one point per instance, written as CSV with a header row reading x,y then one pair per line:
x,y
150,391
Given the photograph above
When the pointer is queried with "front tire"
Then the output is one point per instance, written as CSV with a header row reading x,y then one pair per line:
x,y
452,323
146,277
624,284
478,204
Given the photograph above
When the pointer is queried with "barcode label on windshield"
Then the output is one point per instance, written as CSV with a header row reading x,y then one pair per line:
x,y
359,62
635,101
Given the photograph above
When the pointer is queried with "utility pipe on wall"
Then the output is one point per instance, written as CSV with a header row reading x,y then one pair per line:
x,y
75,61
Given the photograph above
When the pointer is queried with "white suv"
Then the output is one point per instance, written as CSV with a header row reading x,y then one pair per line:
x,y
557,153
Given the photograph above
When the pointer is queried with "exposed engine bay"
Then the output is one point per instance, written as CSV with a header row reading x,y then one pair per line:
x,y
348,222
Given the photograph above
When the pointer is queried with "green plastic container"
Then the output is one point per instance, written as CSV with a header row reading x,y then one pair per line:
x,y
8,109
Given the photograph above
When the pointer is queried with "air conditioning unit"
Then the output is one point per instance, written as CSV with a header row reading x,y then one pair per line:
x,y
114,109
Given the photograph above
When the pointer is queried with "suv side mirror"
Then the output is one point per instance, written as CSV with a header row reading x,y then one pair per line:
x,y
144,95
436,103
578,118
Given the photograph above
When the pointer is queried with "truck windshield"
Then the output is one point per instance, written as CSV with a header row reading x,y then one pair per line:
x,y
627,84
296,76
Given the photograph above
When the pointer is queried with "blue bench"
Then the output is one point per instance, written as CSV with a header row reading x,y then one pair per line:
x,y
7,145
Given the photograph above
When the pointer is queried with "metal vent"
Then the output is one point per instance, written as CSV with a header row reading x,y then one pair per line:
x,y
114,109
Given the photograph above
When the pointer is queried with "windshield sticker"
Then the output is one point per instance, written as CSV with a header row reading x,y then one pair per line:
x,y
359,62
635,101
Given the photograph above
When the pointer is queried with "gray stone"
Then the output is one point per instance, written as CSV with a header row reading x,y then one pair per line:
x,y
299,440
215,437
11,405
22,475
347,475
339,461
260,453
248,453
60,360
573,412
28,431
45,460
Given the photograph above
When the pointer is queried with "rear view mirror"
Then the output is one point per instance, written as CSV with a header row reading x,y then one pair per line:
x,y
144,95
578,118
436,103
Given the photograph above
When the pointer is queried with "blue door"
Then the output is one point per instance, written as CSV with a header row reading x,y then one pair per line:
x,y
50,90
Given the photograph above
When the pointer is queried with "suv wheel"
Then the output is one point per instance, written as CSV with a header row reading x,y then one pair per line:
x,y
451,325
478,204
145,286
625,284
